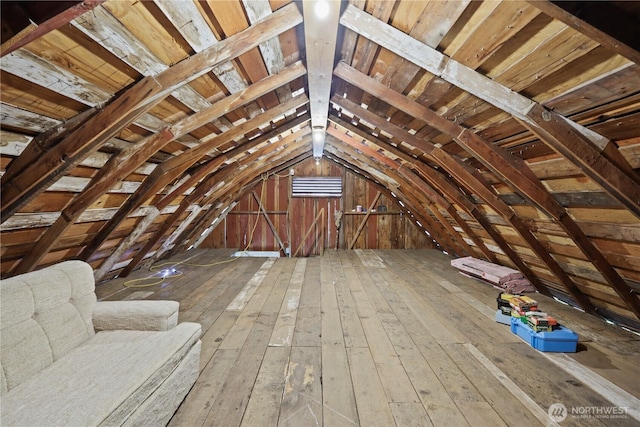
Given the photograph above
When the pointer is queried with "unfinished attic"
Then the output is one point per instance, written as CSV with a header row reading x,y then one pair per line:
x,y
244,213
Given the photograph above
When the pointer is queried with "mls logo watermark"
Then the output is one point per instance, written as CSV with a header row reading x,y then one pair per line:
x,y
558,412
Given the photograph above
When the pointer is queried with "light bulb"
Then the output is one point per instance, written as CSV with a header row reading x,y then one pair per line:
x,y
321,9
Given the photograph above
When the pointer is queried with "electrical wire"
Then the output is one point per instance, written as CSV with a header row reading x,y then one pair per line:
x,y
175,273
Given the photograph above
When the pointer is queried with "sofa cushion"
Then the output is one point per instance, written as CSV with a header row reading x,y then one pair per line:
x,y
103,380
143,315
44,315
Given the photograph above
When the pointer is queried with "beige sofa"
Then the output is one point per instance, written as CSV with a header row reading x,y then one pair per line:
x,y
71,361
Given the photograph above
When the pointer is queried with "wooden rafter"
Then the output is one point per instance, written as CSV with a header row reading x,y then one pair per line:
x,y
430,29
271,49
475,181
134,102
41,144
76,145
210,169
512,169
176,166
209,219
600,21
434,178
415,202
595,155
123,164
455,169
192,198
195,235
34,31
221,177
428,196
515,173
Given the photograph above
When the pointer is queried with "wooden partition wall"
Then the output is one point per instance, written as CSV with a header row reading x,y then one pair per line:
x,y
305,226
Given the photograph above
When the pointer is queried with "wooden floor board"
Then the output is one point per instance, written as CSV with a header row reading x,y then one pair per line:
x,y
263,408
302,397
375,338
371,401
338,397
282,334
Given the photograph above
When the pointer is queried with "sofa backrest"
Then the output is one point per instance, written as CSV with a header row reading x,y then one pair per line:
x,y
43,315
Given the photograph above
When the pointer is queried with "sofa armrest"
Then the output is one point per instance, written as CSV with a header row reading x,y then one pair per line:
x,y
135,315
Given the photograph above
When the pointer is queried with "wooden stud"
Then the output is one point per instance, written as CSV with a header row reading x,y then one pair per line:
x,y
272,227
364,221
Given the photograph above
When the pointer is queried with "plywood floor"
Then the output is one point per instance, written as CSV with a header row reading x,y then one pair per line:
x,y
379,338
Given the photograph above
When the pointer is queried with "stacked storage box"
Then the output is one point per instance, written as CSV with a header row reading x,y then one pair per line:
x,y
538,329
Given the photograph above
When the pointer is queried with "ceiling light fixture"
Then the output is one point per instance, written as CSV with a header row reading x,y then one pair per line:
x,y
317,135
321,9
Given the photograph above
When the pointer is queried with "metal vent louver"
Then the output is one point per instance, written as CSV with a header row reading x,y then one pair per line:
x,y
317,187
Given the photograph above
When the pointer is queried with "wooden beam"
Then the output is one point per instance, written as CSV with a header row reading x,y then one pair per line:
x,y
433,178
430,29
212,143
272,227
429,196
363,168
601,21
213,164
512,173
135,101
510,168
320,34
35,31
85,139
169,242
611,170
125,244
193,198
604,163
195,236
123,163
41,143
478,185
174,167
363,222
453,192
475,182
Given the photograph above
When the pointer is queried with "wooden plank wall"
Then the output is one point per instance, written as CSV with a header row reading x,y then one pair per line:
x,y
292,217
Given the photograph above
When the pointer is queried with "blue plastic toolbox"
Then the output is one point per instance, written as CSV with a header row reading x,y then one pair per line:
x,y
561,340
522,330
